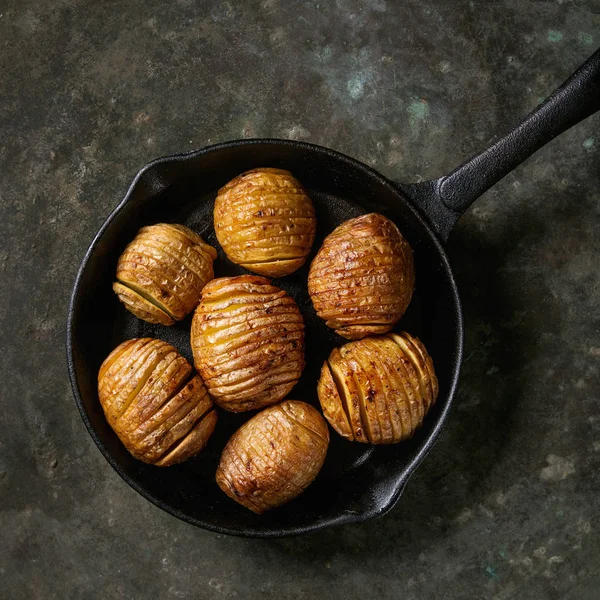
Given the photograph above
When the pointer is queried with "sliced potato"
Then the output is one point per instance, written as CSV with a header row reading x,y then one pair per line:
x,y
265,222
161,273
248,342
274,456
378,390
159,409
362,279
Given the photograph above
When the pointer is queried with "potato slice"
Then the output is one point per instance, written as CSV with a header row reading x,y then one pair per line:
x,y
332,403
142,308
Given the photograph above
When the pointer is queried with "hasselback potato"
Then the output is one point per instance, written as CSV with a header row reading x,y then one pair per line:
x,y
362,279
153,401
265,221
161,273
378,390
248,342
274,456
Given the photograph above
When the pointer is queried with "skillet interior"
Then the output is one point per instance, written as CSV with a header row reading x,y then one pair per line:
x,y
357,481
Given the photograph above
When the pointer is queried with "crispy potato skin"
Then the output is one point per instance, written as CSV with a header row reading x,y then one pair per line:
x,y
248,342
378,390
274,456
160,410
161,273
265,222
362,279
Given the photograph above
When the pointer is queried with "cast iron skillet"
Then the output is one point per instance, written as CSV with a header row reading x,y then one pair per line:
x,y
358,482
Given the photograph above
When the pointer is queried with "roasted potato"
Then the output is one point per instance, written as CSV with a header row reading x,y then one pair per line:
x,y
248,342
362,279
274,456
378,390
159,409
162,271
265,222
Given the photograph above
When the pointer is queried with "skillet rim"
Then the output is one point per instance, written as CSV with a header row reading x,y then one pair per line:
x,y
427,443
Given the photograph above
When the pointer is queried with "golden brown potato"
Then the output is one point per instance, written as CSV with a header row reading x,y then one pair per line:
x,y
159,409
362,279
248,342
274,456
265,222
161,273
378,390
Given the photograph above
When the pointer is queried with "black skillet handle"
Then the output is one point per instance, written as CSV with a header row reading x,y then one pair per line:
x,y
444,200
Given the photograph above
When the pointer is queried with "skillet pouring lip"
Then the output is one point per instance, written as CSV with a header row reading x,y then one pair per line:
x,y
381,506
